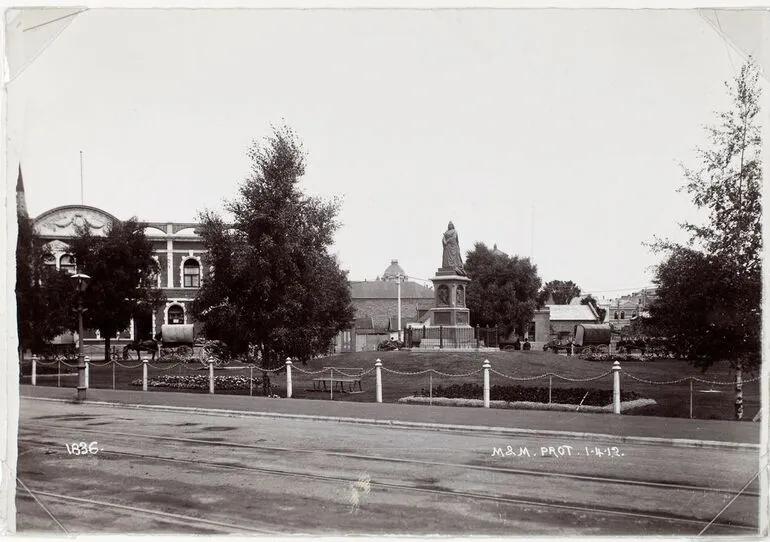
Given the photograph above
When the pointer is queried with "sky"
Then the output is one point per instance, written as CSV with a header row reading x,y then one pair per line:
x,y
554,134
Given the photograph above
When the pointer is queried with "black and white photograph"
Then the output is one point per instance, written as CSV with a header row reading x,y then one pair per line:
x,y
364,272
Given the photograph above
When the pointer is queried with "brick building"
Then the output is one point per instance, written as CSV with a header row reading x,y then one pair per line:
x,y
557,322
376,306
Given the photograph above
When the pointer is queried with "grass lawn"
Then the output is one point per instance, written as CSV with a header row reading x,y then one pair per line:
x,y
709,401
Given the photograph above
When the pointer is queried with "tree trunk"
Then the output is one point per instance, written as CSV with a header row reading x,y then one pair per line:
x,y
107,356
266,359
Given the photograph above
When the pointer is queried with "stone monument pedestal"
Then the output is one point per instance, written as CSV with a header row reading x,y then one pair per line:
x,y
450,308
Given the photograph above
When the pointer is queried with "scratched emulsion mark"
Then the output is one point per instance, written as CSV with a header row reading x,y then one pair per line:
x,y
357,488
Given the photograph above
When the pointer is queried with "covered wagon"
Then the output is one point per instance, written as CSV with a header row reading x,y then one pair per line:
x,y
177,334
593,337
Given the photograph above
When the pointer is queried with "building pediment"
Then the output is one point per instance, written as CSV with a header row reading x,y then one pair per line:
x,y
65,221
57,246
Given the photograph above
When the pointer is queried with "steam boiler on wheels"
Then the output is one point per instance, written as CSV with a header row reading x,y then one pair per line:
x,y
592,338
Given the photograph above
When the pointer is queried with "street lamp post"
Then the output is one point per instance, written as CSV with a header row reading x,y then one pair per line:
x,y
399,277
82,283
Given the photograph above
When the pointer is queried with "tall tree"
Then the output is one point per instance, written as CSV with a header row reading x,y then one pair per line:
x,y
503,290
123,277
44,296
728,181
274,285
590,300
716,280
561,290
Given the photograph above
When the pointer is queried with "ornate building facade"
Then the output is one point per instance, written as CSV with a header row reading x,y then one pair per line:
x,y
177,248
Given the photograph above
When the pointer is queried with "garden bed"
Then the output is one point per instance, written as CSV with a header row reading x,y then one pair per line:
x,y
200,382
510,394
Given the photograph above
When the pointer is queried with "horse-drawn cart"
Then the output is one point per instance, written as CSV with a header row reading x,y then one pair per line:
x,y
593,338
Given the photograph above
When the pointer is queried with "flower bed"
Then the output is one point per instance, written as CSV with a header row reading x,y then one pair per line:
x,y
199,382
621,357
509,394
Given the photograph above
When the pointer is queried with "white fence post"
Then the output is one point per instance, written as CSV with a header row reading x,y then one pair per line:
x,y
378,374
211,375
87,360
616,387
34,369
145,361
486,367
288,378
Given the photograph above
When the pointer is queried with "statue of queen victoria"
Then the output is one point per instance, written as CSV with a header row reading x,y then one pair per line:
x,y
452,258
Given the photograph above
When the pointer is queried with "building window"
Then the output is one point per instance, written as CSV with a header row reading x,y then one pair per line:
x,y
67,263
622,315
192,274
176,314
531,330
616,315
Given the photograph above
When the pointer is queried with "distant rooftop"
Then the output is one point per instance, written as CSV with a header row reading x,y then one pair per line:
x,y
393,271
571,312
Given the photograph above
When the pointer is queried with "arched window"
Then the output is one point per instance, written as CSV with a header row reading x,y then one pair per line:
x,y
67,263
192,274
49,259
616,315
622,315
176,314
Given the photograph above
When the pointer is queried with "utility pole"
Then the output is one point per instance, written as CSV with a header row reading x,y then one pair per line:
x,y
82,201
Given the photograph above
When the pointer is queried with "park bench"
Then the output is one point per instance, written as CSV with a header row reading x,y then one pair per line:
x,y
337,382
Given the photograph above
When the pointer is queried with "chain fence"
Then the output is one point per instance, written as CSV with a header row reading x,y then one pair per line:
x,y
394,383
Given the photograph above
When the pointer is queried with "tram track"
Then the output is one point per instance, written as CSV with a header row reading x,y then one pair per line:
x,y
440,492
411,461
170,517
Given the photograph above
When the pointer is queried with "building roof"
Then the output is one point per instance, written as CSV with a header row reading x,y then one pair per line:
x,y
571,312
380,289
393,271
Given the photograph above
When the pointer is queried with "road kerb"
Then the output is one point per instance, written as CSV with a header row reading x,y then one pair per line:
x,y
502,431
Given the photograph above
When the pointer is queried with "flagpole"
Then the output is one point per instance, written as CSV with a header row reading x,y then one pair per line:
x,y
81,178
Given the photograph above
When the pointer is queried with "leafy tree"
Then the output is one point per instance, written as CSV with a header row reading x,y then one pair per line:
x,y
274,286
44,296
709,310
716,280
561,290
123,274
503,291
590,300
728,182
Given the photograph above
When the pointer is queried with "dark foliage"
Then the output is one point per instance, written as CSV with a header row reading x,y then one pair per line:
x,y
503,291
274,286
570,396
123,274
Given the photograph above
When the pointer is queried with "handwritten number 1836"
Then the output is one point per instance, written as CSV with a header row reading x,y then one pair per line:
x,y
81,448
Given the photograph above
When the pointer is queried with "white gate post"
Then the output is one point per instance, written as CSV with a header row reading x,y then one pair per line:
x,y
378,374
87,360
145,361
288,378
486,367
34,369
211,375
616,387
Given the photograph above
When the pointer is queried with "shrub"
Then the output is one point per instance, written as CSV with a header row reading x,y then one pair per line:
x,y
595,397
